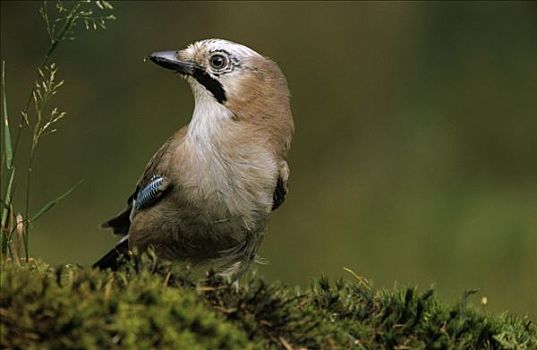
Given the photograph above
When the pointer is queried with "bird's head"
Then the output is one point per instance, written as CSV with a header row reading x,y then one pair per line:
x,y
249,85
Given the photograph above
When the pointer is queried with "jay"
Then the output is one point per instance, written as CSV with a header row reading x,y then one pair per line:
x,y
207,193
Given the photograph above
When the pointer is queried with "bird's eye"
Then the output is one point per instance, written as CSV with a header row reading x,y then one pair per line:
x,y
218,61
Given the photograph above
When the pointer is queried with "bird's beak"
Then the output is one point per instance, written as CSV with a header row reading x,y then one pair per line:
x,y
168,59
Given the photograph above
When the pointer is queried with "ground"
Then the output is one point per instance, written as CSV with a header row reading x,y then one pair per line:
x,y
152,305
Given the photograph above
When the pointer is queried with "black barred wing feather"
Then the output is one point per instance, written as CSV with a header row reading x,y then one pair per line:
x,y
141,199
149,194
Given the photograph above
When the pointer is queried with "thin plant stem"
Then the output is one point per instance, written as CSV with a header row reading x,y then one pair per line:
x,y
53,45
27,207
41,92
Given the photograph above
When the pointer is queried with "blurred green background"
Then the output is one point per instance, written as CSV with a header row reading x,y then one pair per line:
x,y
415,154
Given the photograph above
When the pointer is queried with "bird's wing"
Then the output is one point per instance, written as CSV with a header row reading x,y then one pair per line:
x,y
282,185
147,195
112,259
152,186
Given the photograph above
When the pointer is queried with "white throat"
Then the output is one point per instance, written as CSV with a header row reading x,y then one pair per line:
x,y
209,118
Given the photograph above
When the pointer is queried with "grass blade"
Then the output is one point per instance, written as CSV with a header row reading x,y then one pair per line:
x,y
52,203
7,154
6,208
8,150
6,201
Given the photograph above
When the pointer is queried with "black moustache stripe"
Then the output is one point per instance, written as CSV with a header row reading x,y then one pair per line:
x,y
210,84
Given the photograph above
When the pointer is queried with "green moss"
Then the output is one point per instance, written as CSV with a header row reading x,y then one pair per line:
x,y
149,305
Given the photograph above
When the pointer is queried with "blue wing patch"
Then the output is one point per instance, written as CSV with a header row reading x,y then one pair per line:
x,y
148,195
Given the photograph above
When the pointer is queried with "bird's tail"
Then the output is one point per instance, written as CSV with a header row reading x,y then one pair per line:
x,y
119,224
114,258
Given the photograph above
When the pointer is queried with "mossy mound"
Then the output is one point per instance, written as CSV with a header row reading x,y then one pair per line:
x,y
150,305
